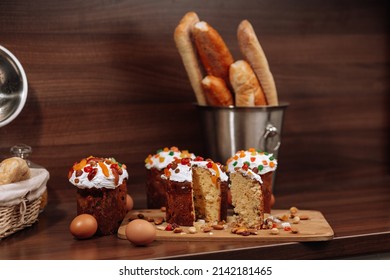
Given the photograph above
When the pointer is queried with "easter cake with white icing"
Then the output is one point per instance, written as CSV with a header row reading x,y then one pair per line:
x,y
101,191
155,165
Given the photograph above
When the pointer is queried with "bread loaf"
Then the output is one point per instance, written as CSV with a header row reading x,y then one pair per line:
x,y
216,91
254,55
187,51
245,84
213,52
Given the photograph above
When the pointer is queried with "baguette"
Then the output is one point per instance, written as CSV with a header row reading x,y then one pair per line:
x,y
213,52
254,54
246,86
216,91
187,51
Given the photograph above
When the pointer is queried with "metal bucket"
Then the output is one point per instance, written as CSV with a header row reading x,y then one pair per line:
x,y
231,129
13,87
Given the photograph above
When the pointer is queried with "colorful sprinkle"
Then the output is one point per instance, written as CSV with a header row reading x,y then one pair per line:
x,y
175,149
104,169
80,165
199,158
88,169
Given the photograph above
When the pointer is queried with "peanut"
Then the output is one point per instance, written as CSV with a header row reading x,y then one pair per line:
x,y
158,221
240,230
178,230
253,231
218,227
192,230
207,229
296,220
294,230
303,217
283,218
293,210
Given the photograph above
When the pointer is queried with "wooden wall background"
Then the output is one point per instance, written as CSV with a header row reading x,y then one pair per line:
x,y
105,79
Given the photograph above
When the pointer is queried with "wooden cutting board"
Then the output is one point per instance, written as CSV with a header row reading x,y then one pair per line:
x,y
316,228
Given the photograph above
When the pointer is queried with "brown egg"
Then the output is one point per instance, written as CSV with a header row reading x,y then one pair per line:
x,y
140,232
83,226
129,203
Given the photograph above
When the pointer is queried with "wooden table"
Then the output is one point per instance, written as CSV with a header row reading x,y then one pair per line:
x,y
359,213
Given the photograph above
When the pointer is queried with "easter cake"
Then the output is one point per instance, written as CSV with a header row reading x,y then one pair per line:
x,y
155,165
101,191
196,189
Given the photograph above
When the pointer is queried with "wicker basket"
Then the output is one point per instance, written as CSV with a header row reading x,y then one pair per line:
x,y
20,202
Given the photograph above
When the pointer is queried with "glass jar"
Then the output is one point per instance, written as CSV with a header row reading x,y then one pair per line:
x,y
24,151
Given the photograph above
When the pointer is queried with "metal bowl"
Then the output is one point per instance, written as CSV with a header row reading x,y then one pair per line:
x,y
13,87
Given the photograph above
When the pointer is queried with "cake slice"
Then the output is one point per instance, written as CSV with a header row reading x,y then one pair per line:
x,y
196,189
251,175
247,199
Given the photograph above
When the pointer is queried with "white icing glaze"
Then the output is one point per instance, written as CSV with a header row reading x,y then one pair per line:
x,y
164,157
99,180
263,162
222,175
183,173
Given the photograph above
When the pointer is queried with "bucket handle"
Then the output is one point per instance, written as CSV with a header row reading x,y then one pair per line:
x,y
271,132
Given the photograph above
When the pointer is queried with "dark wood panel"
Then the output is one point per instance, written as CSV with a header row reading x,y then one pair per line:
x,y
105,78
